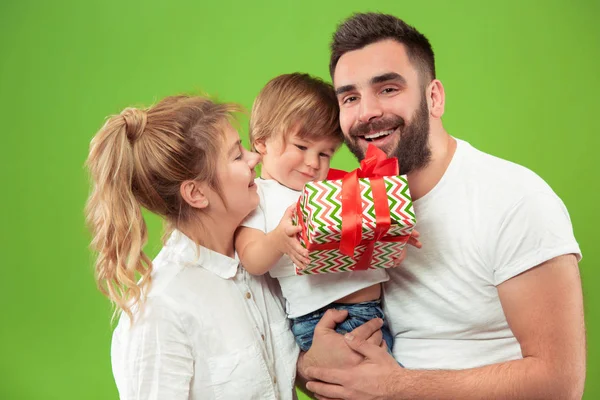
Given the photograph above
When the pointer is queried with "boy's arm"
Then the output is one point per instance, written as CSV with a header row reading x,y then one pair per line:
x,y
259,251
256,250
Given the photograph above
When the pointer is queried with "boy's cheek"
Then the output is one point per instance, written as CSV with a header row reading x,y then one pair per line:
x,y
323,172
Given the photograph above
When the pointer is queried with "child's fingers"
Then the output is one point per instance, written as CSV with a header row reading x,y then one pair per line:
x,y
292,230
301,261
415,233
398,260
415,242
300,254
298,262
289,212
301,251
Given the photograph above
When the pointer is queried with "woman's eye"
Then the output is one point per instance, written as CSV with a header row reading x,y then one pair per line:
x,y
239,157
324,155
303,148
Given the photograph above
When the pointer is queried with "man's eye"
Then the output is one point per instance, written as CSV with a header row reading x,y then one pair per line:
x,y
349,99
388,90
303,148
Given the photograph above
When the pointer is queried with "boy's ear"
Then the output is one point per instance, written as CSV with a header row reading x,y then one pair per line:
x,y
194,193
260,146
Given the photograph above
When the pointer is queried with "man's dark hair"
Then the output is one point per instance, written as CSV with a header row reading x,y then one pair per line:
x,y
363,29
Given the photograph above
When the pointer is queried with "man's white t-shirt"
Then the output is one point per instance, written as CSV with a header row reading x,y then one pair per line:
x,y
303,293
486,221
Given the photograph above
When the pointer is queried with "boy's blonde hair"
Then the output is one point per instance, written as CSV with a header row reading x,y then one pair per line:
x,y
296,103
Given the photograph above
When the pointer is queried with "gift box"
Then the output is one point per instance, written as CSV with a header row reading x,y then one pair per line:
x,y
356,221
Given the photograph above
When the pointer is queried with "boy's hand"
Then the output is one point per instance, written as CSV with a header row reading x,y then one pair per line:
x,y
287,242
414,239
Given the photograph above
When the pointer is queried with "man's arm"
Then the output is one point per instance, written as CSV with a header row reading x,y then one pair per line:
x,y
544,309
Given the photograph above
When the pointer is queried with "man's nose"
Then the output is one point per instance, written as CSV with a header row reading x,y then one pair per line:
x,y
370,108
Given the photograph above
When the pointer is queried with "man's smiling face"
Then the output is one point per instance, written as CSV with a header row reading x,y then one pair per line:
x,y
382,102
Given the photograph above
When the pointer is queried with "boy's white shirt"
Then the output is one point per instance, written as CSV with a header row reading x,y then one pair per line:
x,y
303,293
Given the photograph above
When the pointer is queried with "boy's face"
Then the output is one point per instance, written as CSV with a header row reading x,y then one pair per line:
x,y
296,161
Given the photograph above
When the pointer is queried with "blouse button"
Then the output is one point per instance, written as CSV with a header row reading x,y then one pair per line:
x,y
248,295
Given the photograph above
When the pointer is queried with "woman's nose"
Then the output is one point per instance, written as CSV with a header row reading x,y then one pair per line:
x,y
253,159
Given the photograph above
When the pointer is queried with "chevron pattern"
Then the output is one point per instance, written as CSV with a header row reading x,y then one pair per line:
x,y
321,211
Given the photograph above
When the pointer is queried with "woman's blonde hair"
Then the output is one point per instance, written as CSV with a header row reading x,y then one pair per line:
x,y
139,158
298,103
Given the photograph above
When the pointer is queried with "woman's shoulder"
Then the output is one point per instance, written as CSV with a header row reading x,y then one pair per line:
x,y
178,269
155,316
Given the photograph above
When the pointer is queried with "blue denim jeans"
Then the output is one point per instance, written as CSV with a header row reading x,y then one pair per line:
x,y
304,327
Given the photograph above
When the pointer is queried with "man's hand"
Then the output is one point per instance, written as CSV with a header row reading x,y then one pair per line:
x,y
374,378
286,241
329,348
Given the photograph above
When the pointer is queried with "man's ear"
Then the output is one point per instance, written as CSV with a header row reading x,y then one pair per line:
x,y
436,97
260,146
194,193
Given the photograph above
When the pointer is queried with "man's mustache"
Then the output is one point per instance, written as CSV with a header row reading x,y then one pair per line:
x,y
378,125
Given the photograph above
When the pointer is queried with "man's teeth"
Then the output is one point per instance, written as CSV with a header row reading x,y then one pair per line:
x,y
378,134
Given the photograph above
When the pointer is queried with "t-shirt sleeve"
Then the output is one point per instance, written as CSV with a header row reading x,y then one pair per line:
x,y
536,229
257,218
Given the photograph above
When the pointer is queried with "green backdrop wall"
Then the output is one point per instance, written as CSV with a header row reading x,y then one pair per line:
x,y
521,79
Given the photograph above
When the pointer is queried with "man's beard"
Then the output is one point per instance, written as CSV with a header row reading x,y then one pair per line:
x,y
412,151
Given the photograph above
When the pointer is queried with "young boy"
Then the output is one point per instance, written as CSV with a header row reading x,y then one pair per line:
x,y
294,126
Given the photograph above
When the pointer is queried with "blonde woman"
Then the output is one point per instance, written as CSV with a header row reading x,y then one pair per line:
x,y
193,324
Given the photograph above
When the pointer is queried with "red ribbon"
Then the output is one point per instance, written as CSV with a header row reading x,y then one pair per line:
x,y
374,166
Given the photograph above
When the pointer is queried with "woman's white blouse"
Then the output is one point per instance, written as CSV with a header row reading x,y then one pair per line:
x,y
208,330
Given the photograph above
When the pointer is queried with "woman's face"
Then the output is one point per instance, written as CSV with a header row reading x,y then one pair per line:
x,y
235,172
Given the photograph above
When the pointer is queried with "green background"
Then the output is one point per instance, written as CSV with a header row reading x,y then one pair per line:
x,y
521,79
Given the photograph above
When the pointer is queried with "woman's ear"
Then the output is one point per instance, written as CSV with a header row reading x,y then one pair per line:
x,y
436,98
194,193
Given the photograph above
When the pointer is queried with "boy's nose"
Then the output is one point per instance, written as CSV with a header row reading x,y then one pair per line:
x,y
312,161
